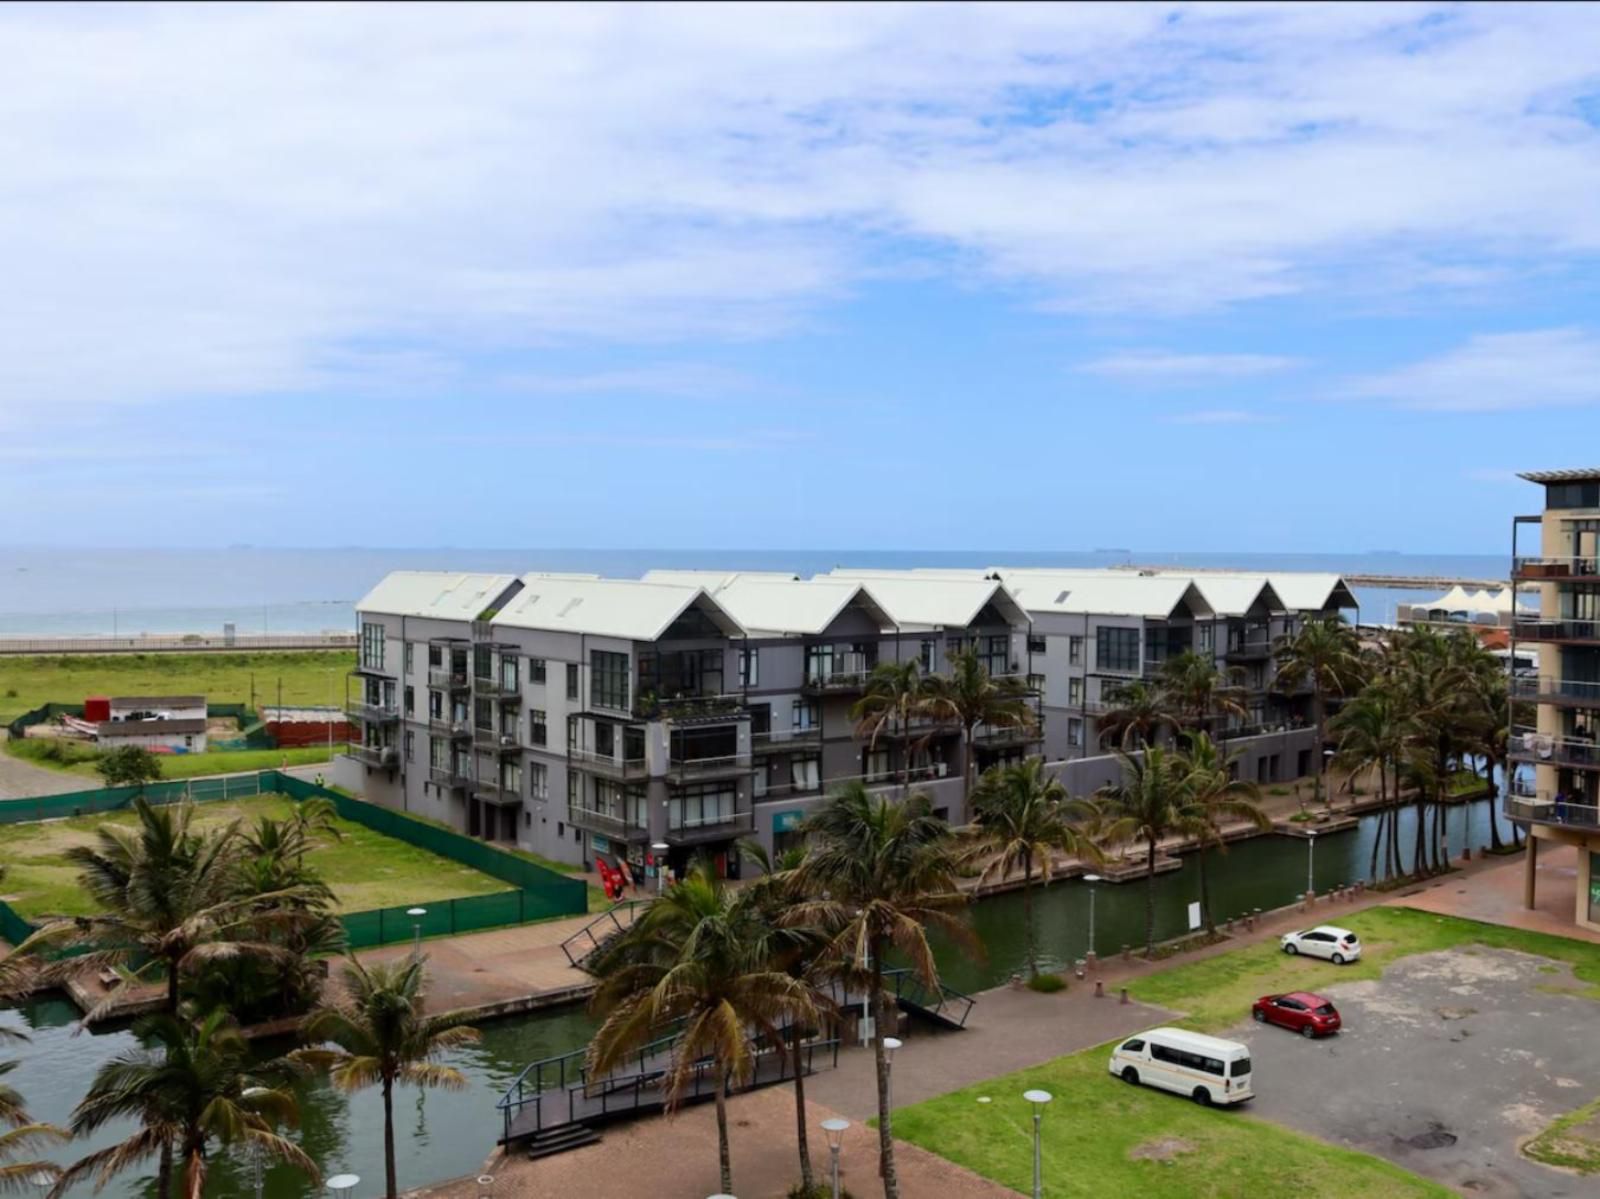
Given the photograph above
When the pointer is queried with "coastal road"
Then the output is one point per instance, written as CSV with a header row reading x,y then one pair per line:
x,y
19,779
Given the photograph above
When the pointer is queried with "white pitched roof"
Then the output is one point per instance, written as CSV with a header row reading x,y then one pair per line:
x,y
713,580
936,600
1106,593
624,608
440,594
1299,590
1236,595
777,606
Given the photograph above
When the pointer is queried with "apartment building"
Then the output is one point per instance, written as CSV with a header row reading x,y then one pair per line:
x,y
1560,804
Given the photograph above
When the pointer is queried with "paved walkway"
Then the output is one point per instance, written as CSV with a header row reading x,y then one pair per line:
x,y
22,780
1495,894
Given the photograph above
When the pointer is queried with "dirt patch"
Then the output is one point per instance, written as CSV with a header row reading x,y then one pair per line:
x,y
1456,1013
1163,1149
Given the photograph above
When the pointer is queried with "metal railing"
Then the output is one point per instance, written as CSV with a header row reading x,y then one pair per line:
x,y
496,792
689,707
1544,689
454,727
448,680
183,642
838,680
1529,628
451,776
605,822
1544,808
582,945
372,713
781,739
691,768
703,828
1249,650
1555,568
1530,745
947,1003
624,768
491,687
385,756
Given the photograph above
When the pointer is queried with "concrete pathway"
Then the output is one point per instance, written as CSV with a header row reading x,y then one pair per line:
x,y
1494,894
21,780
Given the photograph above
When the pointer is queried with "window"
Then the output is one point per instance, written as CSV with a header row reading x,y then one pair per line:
x,y
572,680
1075,651
1241,1067
608,680
1187,1060
1117,649
438,753
605,739
435,657
410,657
411,699
749,668
536,670
1207,638
1572,495
803,714
1035,645
705,743
1133,1046
1036,683
805,773
877,763
527,819
926,657
1075,692
1075,732
539,780
703,805
819,663
508,672
371,646
436,705
409,740
538,731
633,744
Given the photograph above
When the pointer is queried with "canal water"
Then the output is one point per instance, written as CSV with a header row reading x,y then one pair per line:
x,y
442,1135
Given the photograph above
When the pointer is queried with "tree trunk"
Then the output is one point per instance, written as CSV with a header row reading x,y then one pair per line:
x,y
172,986
724,1162
1150,900
1027,914
1377,836
806,1179
164,1171
391,1184
1319,717
1494,807
969,772
1418,862
891,1180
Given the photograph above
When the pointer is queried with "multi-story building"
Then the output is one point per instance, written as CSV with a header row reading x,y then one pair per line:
x,y
1561,803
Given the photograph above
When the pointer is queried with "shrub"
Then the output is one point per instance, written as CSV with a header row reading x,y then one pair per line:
x,y
58,751
1047,984
129,766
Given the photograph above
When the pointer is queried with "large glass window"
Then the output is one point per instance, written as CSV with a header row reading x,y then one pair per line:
x,y
605,739
538,731
805,773
608,680
1117,649
1075,651
749,668
1572,495
701,744
372,646
572,680
536,670
538,780
703,805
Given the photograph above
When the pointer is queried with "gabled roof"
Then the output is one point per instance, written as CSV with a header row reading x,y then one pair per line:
x,y
1106,593
937,600
1298,590
770,606
627,609
1239,596
713,580
439,594
1577,475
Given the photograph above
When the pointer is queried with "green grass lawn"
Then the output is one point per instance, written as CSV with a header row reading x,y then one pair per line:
x,y
81,759
309,677
1096,1124
366,869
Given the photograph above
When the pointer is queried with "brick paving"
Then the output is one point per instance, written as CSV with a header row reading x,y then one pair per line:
x,y
1495,894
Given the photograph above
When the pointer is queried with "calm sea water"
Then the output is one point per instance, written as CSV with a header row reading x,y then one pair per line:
x,y
66,592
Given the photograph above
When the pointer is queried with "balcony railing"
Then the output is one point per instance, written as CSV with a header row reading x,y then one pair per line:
x,y
497,739
448,680
1578,693
1249,651
451,776
1529,745
384,756
679,769
496,792
1533,629
609,764
686,708
605,822
1555,568
1544,808
1013,734
372,713
852,677
778,740
682,830
450,726
495,687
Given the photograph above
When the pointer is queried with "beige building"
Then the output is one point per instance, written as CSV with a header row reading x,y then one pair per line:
x,y
1558,551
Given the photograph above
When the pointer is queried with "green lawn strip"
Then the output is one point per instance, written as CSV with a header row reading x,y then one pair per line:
x,y
310,678
1096,1123
366,870
80,759
1216,992
1564,1146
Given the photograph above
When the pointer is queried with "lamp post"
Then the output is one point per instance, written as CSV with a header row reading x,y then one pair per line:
x,y
343,1184
1038,1099
416,915
257,1180
1311,858
659,850
42,1180
1091,879
835,1128
890,1044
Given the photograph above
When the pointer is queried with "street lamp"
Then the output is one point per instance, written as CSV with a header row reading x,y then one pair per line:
x,y
1311,857
835,1128
42,1179
890,1044
416,915
343,1184
1038,1099
258,1182
1091,879
659,851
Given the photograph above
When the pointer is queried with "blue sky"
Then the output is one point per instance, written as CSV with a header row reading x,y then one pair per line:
x,y
1167,277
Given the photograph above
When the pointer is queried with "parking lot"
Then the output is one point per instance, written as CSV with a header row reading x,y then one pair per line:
x,y
1444,1066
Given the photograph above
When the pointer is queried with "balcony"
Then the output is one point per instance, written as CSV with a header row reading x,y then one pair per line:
x,y
496,739
1542,808
689,709
1577,631
456,729
1567,693
367,670
1249,651
496,689
1544,569
384,757
843,677
451,776
720,826
496,793
1003,735
372,713
682,770
608,765
1528,745
785,740
448,680
623,828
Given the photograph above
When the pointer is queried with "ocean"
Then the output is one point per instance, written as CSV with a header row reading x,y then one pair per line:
x,y
85,592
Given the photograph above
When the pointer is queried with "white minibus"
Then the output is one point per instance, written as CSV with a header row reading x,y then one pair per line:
x,y
1207,1069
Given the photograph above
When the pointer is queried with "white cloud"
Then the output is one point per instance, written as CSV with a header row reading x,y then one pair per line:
x,y
240,200
1496,371
1160,366
1219,416
681,380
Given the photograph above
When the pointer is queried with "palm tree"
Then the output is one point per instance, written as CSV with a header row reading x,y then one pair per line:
x,y
1023,817
703,955
1326,654
969,696
1147,806
22,1134
1372,732
1210,794
1140,712
1198,691
880,872
188,1086
892,699
381,1035
169,899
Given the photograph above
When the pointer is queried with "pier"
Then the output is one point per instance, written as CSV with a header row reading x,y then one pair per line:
x,y
1391,582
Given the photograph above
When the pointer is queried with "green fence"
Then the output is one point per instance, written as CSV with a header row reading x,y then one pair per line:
x,y
538,893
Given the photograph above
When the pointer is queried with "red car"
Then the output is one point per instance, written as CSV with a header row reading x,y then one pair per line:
x,y
1307,1014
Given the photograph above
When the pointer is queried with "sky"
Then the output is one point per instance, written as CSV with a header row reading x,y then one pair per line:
x,y
1205,277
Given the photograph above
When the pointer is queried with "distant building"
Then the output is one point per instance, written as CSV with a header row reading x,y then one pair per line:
x,y
156,722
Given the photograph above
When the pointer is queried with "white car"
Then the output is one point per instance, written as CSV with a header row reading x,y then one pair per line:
x,y
1338,945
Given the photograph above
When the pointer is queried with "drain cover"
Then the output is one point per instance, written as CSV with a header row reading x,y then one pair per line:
x,y
1435,1138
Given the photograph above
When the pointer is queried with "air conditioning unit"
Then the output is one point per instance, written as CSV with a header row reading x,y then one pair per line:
x,y
508,741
